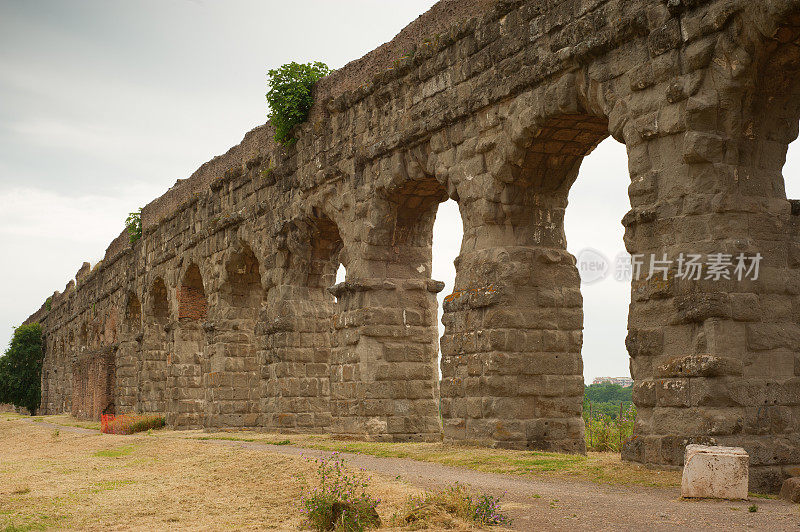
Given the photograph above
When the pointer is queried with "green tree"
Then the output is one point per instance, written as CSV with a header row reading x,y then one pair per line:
x,y
608,393
290,96
605,399
21,368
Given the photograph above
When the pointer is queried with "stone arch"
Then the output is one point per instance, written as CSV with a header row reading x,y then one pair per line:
x,y
192,301
772,106
148,354
298,324
242,286
388,309
513,325
186,404
412,210
309,254
132,319
230,370
159,300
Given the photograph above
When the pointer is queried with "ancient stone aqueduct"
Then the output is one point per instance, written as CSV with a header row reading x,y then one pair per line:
x,y
225,313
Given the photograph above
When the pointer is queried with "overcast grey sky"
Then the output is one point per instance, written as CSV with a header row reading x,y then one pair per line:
x,y
105,104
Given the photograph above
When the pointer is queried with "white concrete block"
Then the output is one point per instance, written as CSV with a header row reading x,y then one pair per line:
x,y
715,472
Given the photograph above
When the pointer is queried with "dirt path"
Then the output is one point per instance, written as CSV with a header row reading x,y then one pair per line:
x,y
537,504
552,503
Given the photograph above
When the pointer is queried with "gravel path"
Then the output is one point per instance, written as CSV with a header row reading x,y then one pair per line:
x,y
555,504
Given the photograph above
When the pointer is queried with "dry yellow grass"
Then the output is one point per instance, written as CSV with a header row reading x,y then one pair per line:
x,y
67,421
56,478
606,468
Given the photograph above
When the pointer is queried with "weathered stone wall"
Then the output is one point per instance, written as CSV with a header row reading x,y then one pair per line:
x,y
224,315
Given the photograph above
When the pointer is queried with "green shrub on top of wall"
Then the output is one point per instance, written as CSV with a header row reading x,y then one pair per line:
x,y
290,96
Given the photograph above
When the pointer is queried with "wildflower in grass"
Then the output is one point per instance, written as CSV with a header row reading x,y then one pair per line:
x,y
340,501
456,501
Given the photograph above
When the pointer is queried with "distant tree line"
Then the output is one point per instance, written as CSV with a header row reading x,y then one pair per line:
x,y
606,399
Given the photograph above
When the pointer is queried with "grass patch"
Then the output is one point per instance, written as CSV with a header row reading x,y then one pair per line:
x,y
448,508
225,438
167,481
25,528
602,468
244,439
108,485
40,522
117,452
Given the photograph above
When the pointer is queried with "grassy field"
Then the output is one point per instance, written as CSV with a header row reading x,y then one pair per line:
x,y
595,467
605,468
54,478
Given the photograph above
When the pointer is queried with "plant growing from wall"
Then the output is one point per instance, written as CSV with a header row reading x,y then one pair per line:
x,y
291,94
134,225
48,304
21,368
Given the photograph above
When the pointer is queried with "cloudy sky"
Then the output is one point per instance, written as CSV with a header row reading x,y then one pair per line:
x,y
104,104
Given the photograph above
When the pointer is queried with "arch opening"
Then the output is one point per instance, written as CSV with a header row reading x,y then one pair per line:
x,y
387,320
598,201
325,257
229,370
448,234
295,384
513,325
133,312
159,303
192,302
242,287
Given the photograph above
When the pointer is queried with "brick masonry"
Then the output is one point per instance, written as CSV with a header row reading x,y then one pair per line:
x,y
492,104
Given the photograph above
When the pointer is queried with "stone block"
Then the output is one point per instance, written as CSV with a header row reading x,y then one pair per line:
x,y
790,490
715,472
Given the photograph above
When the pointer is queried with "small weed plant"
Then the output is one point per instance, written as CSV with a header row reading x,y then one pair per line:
x,y
438,509
290,96
339,500
486,511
